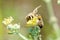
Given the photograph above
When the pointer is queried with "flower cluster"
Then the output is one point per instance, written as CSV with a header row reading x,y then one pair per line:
x,y
8,20
12,28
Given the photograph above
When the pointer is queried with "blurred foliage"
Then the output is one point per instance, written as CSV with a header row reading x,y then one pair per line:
x,y
16,9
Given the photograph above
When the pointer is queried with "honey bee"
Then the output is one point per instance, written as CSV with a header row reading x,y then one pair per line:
x,y
35,18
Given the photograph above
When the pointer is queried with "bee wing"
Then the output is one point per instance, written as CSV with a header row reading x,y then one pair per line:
x,y
36,9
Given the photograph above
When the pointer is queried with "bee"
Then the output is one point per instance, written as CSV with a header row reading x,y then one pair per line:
x,y
40,22
34,18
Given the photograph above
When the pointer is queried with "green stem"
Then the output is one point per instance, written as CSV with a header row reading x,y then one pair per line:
x,y
52,18
58,1
22,36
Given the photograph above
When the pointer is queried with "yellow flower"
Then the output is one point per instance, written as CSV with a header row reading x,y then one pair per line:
x,y
8,20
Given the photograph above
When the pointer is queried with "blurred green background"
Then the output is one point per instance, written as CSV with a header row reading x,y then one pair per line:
x,y
18,9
